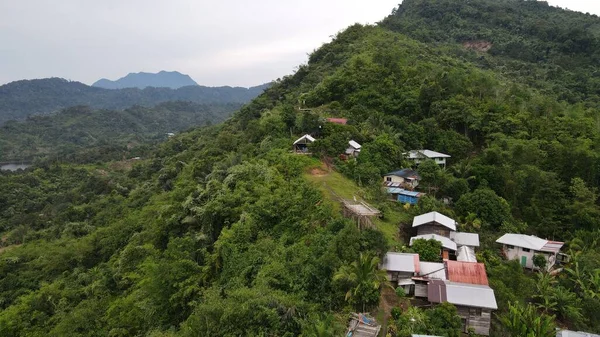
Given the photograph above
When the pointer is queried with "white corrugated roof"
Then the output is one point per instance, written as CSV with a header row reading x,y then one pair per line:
x,y
434,217
568,333
465,239
307,137
465,254
354,144
472,295
446,243
530,242
432,270
403,262
414,154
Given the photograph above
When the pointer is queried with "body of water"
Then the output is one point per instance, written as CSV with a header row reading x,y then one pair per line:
x,y
13,167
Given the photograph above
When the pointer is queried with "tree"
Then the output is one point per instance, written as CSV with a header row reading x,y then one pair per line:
x,y
525,321
539,261
428,250
363,278
487,205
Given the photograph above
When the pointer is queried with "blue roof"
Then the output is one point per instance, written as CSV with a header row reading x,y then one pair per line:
x,y
396,190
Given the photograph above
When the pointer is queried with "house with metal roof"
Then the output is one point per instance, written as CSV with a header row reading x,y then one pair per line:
x,y
301,144
465,239
465,254
341,121
434,223
417,156
568,333
353,149
404,196
401,267
525,247
407,178
473,302
428,271
466,272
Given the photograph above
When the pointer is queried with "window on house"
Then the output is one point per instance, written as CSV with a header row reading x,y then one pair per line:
x,y
388,178
475,311
510,246
526,250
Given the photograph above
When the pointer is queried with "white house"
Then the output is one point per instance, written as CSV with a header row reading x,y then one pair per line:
x,y
525,247
434,223
407,178
568,333
353,149
401,267
301,144
419,155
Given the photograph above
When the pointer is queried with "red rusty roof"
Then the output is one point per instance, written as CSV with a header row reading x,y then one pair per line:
x,y
342,121
466,272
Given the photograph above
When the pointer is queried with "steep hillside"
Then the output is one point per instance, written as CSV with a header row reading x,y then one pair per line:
x,y
85,135
21,99
554,50
141,80
223,231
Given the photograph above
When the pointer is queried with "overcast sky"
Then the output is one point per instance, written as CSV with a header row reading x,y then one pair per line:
x,y
225,42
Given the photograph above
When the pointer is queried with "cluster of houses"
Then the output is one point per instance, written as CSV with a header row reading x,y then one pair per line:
x,y
459,279
400,185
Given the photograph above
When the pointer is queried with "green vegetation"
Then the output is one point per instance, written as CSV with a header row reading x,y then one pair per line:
x,y
21,99
80,134
221,231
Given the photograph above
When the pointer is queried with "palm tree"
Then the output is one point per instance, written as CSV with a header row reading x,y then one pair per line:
x,y
363,278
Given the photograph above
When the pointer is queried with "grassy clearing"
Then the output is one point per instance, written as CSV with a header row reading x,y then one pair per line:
x,y
333,185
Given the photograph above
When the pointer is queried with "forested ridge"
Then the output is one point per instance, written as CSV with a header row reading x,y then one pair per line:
x,y
222,231
81,134
21,99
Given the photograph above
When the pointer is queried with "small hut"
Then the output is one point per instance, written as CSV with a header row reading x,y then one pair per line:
x,y
361,212
301,144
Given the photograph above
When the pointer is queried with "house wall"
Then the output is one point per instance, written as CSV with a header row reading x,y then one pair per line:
x,y
479,323
420,289
394,276
439,161
407,199
394,179
518,252
432,228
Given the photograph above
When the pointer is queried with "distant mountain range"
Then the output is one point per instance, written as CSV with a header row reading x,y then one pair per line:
x,y
21,99
163,79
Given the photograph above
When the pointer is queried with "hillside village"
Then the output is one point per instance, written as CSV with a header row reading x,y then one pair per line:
x,y
455,276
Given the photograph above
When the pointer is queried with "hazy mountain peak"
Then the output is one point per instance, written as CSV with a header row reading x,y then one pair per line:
x,y
162,79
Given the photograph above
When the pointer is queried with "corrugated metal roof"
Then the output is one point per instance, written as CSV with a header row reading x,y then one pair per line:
x,y
355,144
471,295
446,243
465,239
307,137
405,173
568,333
415,154
466,254
466,272
552,246
530,242
434,217
432,270
397,190
342,121
402,262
